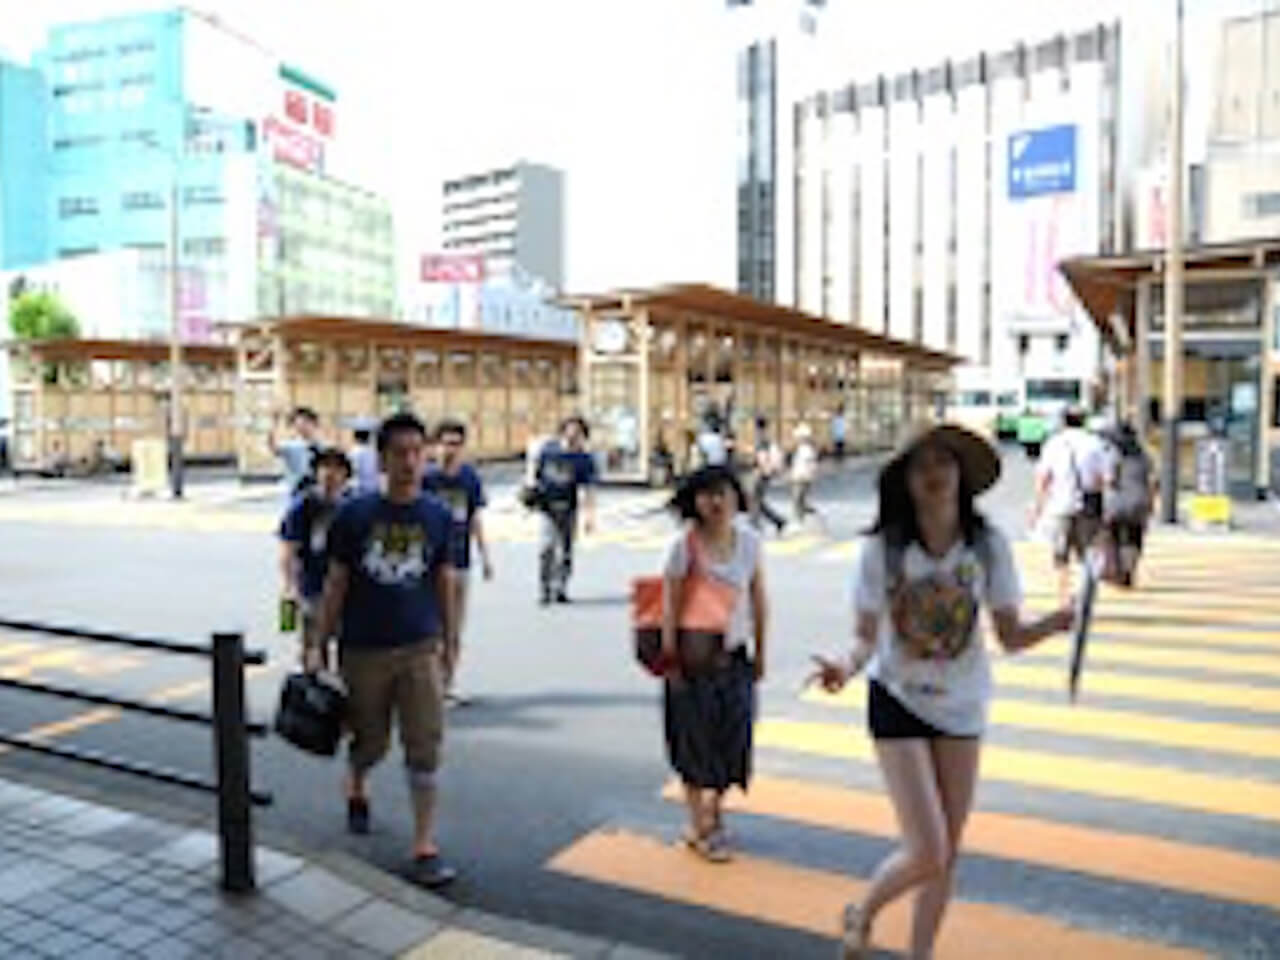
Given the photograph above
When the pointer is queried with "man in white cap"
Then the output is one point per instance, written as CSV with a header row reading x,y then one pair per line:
x,y
804,469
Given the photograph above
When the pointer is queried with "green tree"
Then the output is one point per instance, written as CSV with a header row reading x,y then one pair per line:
x,y
37,315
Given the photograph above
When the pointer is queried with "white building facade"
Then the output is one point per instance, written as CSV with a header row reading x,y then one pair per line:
x,y
511,216
934,204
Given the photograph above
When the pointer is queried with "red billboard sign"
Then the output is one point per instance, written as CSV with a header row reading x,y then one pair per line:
x,y
452,268
292,146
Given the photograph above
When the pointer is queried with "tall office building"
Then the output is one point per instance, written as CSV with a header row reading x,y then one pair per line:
x,y
511,216
24,166
776,45
934,203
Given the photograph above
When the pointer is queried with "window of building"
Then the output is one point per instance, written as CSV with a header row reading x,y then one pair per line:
x,y
1259,205
142,200
1024,344
204,246
70,253
139,136
953,318
135,46
74,143
70,207
63,90
1061,342
917,315
138,80
202,195
81,55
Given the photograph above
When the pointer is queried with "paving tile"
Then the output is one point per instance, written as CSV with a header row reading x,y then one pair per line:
x,y
317,894
208,932
459,944
241,948
10,917
385,927
174,919
46,904
20,882
95,822
65,944
13,795
134,937
101,951
625,951
32,932
168,949
139,836
84,885
190,850
105,924
561,942
77,915
85,856
272,865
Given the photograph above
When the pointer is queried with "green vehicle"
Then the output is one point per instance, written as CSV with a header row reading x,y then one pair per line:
x,y
1046,400
1007,415
1032,431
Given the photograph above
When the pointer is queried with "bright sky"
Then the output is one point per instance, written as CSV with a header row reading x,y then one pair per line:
x,y
633,98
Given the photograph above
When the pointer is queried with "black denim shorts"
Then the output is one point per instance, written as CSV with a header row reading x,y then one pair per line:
x,y
889,719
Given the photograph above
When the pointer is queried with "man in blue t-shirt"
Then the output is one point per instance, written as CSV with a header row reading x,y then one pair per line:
x,y
458,485
564,468
304,535
390,584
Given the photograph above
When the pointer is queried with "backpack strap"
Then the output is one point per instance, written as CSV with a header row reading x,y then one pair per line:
x,y
894,563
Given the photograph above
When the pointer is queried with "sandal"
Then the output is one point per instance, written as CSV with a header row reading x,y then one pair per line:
x,y
855,942
710,847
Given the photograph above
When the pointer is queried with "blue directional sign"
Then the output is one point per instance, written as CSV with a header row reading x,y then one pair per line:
x,y
1042,161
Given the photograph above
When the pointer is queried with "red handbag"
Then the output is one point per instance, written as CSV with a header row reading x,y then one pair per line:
x,y
706,611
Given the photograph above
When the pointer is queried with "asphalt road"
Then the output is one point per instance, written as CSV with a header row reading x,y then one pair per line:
x,y
561,756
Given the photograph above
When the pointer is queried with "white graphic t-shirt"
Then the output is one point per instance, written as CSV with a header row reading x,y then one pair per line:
x,y
930,651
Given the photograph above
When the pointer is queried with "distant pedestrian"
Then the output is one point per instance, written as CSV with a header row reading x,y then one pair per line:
x,y
565,481
769,462
839,432
390,590
457,483
709,705
712,448
364,461
304,539
1130,499
804,470
297,453
930,562
1070,479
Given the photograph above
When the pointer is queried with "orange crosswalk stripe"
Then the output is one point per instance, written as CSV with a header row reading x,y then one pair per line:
x,y
811,901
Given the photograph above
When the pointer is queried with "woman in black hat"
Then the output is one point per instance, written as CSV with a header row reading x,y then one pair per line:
x,y
930,562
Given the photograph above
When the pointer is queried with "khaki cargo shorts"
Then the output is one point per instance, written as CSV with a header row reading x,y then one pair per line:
x,y
1073,535
408,681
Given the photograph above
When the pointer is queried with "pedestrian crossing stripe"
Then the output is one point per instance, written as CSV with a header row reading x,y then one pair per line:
x,y
1128,857
1111,779
1112,652
1125,726
811,901
1181,634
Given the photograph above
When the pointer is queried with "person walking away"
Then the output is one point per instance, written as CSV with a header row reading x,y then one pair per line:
x,y
458,485
709,711
364,461
297,453
304,540
1070,480
768,464
929,563
839,432
390,587
1132,498
566,477
712,450
804,470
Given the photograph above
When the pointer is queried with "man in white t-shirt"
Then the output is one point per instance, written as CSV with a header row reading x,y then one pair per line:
x,y
1070,479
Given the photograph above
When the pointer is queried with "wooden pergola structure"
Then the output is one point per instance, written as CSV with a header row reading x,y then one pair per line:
x,y
655,361
76,401
1230,313
505,389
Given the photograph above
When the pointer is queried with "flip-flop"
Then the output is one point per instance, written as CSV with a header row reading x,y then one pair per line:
x,y
432,872
855,940
710,848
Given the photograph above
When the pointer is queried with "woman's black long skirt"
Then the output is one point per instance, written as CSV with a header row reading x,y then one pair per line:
x,y
709,718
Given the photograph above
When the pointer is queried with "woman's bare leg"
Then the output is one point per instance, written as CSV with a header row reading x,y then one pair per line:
x,y
909,776
956,763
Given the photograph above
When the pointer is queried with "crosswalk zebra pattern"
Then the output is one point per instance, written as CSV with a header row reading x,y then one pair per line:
x,y
1140,822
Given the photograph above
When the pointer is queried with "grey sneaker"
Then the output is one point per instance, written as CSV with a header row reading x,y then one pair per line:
x,y
432,872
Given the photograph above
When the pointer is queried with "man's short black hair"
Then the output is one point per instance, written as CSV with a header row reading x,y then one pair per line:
x,y
451,425
362,434
304,413
581,421
335,456
1074,417
399,423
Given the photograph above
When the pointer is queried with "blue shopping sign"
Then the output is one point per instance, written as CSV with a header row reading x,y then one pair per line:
x,y
1042,161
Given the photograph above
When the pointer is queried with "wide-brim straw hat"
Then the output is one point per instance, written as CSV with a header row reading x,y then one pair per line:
x,y
978,459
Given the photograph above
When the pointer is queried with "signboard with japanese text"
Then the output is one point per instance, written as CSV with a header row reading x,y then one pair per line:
x,y
452,268
1042,161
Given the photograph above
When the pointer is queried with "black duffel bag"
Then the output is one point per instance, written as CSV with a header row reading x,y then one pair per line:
x,y
311,713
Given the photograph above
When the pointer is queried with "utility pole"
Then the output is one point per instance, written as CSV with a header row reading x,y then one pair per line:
x,y
175,347
1173,294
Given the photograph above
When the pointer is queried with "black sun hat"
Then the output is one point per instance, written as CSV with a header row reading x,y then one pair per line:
x,y
979,462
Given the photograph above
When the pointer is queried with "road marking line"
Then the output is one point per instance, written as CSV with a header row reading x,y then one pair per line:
x,y
794,545
1147,783
1102,651
1133,858
811,900
58,728
1125,726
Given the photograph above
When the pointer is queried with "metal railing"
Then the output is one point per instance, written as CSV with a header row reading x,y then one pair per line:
x,y
231,732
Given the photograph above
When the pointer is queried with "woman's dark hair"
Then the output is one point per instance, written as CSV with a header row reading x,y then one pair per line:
x,y
399,423
1126,440
896,518
701,480
581,421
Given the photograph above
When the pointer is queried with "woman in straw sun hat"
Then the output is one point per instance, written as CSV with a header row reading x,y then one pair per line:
x,y
929,562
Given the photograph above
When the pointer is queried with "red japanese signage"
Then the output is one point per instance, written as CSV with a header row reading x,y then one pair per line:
x,y
295,106
292,146
452,268
322,119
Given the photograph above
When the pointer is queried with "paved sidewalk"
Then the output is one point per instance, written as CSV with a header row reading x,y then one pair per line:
x,y
88,881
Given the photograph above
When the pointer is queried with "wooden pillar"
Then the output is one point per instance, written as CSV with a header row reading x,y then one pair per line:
x,y
1266,394
1142,359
